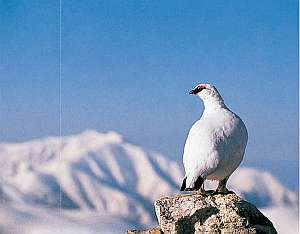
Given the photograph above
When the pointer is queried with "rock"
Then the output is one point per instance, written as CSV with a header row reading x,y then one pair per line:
x,y
155,230
195,213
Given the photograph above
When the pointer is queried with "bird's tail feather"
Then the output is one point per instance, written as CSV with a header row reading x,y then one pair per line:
x,y
183,186
197,185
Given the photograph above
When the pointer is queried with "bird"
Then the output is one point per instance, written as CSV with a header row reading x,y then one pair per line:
x,y
215,145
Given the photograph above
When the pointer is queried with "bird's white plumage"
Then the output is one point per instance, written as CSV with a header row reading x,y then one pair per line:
x,y
216,143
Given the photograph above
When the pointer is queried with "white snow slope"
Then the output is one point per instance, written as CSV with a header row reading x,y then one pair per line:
x,y
99,181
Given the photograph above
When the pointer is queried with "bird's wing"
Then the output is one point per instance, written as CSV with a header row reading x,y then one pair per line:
x,y
200,157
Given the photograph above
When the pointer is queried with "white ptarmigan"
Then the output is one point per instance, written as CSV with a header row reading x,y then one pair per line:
x,y
215,145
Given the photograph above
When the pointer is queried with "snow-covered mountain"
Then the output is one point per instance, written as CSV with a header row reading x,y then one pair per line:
x,y
90,171
103,174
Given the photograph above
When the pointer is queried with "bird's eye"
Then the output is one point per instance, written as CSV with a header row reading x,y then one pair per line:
x,y
200,88
197,89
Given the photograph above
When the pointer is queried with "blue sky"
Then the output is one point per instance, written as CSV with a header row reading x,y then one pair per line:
x,y
128,66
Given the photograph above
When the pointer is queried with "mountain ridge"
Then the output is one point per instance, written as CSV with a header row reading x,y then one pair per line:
x,y
103,173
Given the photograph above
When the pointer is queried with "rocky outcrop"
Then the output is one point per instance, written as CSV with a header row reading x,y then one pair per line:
x,y
155,230
195,213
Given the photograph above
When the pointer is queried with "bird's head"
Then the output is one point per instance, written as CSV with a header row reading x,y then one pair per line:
x,y
208,93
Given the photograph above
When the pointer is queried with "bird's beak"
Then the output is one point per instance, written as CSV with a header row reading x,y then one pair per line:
x,y
193,91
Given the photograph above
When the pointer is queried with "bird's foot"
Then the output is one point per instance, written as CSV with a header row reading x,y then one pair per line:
x,y
222,190
204,192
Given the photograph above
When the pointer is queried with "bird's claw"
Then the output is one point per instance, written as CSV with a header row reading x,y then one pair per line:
x,y
222,191
202,192
205,192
